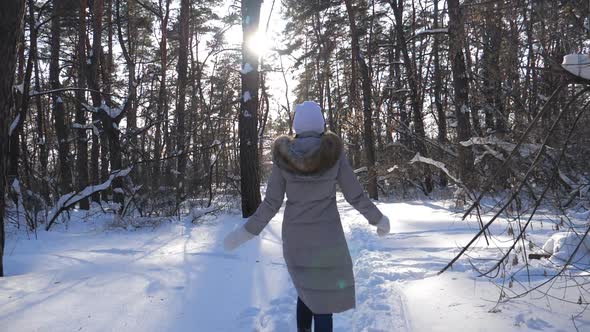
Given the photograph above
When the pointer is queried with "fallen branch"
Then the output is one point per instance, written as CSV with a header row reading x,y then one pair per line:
x,y
443,167
437,164
68,200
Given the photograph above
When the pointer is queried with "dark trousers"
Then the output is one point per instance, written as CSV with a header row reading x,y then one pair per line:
x,y
322,322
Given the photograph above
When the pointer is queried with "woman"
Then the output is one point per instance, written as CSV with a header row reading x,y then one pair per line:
x,y
307,168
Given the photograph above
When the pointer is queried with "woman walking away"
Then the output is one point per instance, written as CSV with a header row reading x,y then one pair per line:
x,y
307,168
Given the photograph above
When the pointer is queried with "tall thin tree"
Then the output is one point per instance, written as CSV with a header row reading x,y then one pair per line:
x,y
81,137
368,135
461,86
438,87
181,95
59,112
11,26
412,73
250,179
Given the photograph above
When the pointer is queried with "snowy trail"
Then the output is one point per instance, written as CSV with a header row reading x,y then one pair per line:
x,y
178,278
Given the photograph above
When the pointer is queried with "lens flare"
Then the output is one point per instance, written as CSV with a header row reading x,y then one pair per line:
x,y
259,44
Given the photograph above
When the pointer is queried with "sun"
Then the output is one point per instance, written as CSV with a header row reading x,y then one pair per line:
x,y
260,44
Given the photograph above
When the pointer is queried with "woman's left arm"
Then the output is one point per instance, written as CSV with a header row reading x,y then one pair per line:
x,y
275,193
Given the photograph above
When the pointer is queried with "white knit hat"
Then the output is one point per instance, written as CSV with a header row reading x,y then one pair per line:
x,y
308,117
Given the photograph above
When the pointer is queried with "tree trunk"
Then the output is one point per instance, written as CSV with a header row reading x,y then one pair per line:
x,y
41,133
99,144
404,119
11,27
128,50
13,168
99,169
390,116
530,81
412,76
61,129
161,111
491,62
442,118
328,77
81,137
250,177
109,123
461,87
181,95
368,135
17,147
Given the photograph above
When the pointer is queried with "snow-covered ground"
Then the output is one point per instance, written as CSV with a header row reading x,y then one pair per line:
x,y
176,277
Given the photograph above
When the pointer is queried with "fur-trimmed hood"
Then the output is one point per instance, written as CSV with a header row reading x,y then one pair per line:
x,y
316,160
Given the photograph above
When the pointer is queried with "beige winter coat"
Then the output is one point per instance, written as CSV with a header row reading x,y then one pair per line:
x,y
307,169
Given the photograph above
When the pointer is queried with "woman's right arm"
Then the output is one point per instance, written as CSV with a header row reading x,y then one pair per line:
x,y
275,193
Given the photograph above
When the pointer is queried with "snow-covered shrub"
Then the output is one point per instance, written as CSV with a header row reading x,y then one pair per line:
x,y
563,245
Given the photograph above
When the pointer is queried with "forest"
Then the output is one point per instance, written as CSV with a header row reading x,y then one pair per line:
x,y
151,111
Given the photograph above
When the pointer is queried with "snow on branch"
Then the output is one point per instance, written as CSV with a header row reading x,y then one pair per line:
x,y
526,150
437,164
566,179
13,125
361,170
19,88
580,188
89,126
578,65
431,31
46,92
397,90
424,32
112,112
68,200
489,151
246,69
88,107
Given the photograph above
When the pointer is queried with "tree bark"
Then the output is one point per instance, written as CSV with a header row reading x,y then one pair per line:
x,y
461,87
250,177
81,136
100,144
128,50
368,135
185,8
21,104
17,147
491,74
438,85
415,100
41,133
110,124
161,110
61,129
404,119
11,27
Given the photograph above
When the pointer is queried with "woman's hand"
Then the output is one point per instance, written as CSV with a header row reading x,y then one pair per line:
x,y
383,226
236,238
